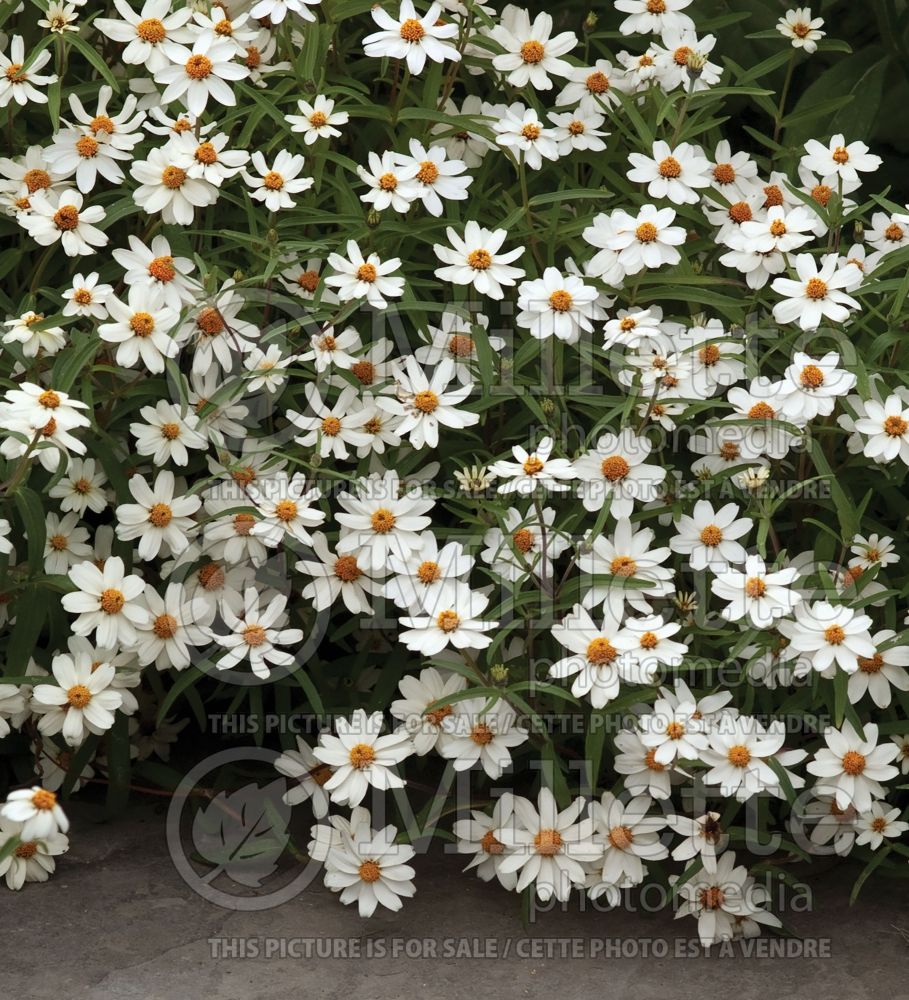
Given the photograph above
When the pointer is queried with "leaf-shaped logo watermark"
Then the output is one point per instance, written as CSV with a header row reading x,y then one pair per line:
x,y
242,834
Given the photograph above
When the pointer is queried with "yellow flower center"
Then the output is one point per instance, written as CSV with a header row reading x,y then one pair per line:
x,y
448,621
382,521
112,601
162,268
533,465
66,218
895,426
254,635
755,587
160,515
198,67
739,755
816,289
621,837
370,871
44,800
646,232
317,119
597,83
481,734
151,30
36,180
670,167
761,411
601,651
623,566
170,431
561,300
548,842
428,172
479,260
142,324
361,755
426,401
853,762
412,30
428,572
173,177
532,52
711,536
367,273
531,132
331,426
285,510
614,468
165,626
841,155
78,696
87,147
273,181
346,569
206,154
812,377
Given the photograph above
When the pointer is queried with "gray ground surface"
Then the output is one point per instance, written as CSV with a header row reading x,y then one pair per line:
x,y
117,923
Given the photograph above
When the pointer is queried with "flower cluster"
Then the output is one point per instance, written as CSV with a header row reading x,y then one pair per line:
x,y
462,353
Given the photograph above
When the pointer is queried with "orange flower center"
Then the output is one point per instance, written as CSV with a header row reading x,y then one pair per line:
x,y
895,426
254,635
162,268
853,762
112,601
479,260
448,621
646,232
561,300
812,377
370,871
198,67
426,401
739,755
412,30
601,651
761,411
532,52
367,273
346,569
361,755
66,218
428,572
428,172
165,626
78,696
160,515
597,83
816,289
711,535
670,167
755,587
151,30
173,177
614,468
623,566
382,521
331,426
548,842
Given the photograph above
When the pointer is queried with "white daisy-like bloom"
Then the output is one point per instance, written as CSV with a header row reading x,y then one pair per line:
x,y
155,267
380,518
876,674
369,868
653,17
327,348
159,518
801,28
640,770
255,635
228,530
425,402
625,555
285,507
874,549
175,626
467,146
61,17
13,703
438,178
839,162
642,71
532,469
722,899
454,338
62,217
31,860
616,471
361,757
886,426
762,403
107,601
335,576
361,277
215,330
317,120
548,846
816,294
202,73
34,405
710,538
604,264
703,838
521,130
630,837
142,328
674,731
206,158
77,152
647,240
598,660
275,184
476,836
579,130
153,36
81,702
683,61
557,305
267,369
423,724
166,187
19,84
167,433
86,296
531,53
333,428
474,259
474,734
830,636
65,543
653,645
738,754
712,708
592,87
780,230
888,232
215,21
308,775
391,181
523,545
276,10
455,621
851,768
879,823
425,579
412,38
36,808
815,384
755,594
673,173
